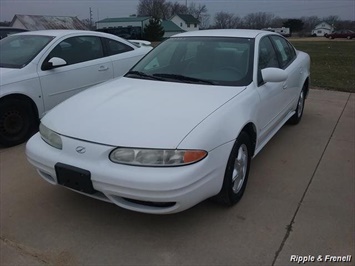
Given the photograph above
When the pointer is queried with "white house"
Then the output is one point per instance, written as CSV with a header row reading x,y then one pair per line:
x,y
186,22
322,29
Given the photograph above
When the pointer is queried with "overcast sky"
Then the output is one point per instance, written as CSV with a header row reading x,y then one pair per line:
x,y
101,9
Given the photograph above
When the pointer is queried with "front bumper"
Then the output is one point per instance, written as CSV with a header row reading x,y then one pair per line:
x,y
156,190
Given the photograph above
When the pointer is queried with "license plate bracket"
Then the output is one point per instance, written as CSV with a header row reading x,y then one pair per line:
x,y
75,178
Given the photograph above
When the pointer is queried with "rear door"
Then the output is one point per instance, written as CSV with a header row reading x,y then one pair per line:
x,y
86,66
123,56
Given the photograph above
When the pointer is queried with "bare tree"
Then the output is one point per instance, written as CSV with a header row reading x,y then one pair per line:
x,y
225,20
176,8
153,8
332,20
204,21
258,20
197,11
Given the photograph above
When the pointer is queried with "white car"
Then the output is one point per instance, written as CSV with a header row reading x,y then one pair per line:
x,y
181,126
40,69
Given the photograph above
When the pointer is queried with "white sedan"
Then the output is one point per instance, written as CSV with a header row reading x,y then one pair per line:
x,y
181,126
40,69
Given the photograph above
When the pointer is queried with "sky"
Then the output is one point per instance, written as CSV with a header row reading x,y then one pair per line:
x,y
101,9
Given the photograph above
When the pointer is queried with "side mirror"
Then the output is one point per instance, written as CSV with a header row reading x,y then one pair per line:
x,y
53,63
272,74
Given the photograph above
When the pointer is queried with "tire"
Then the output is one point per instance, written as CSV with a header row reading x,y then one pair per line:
x,y
349,37
17,122
296,118
237,172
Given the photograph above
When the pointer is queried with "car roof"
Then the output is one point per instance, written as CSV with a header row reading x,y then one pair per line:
x,y
59,33
242,33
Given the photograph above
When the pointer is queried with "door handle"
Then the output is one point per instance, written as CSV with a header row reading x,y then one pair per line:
x,y
103,68
284,86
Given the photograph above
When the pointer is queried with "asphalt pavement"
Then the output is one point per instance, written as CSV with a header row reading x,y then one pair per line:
x,y
299,206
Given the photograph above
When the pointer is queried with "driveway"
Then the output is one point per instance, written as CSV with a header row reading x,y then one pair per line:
x,y
299,201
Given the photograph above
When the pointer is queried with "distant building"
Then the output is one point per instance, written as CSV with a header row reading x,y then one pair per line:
x,y
186,22
33,22
170,28
283,31
122,22
322,29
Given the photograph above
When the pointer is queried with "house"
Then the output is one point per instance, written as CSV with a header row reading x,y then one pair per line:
x,y
322,29
33,22
170,28
186,22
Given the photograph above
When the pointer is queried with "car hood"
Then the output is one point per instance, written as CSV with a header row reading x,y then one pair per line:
x,y
137,113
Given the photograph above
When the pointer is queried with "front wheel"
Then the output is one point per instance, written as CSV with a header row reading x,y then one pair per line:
x,y
237,171
17,122
296,118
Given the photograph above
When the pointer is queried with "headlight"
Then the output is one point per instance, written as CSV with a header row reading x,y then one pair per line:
x,y
50,137
152,157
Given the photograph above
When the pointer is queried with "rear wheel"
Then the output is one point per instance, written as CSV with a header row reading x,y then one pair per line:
x,y
349,37
237,172
17,122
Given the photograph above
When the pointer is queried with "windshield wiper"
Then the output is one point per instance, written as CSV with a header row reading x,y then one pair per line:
x,y
183,78
142,75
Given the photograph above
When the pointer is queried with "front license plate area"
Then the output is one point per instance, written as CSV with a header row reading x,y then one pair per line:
x,y
74,178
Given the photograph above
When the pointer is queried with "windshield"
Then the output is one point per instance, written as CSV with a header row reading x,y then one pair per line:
x,y
18,50
202,60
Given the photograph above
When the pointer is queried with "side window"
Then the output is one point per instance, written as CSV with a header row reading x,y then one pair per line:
x,y
114,47
267,54
78,49
286,53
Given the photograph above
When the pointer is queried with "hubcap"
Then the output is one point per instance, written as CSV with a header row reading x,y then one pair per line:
x,y
240,168
300,105
11,123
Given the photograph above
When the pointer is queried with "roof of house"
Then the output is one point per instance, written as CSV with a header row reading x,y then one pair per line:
x,y
170,26
126,19
34,22
323,24
189,19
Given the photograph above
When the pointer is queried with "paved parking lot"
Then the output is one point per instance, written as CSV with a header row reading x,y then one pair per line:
x,y
299,201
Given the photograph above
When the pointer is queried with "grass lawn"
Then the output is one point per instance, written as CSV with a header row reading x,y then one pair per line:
x,y
332,63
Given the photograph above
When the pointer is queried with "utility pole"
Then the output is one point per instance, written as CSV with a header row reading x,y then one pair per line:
x,y
90,18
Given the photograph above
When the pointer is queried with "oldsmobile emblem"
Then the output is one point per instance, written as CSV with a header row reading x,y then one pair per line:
x,y
80,149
